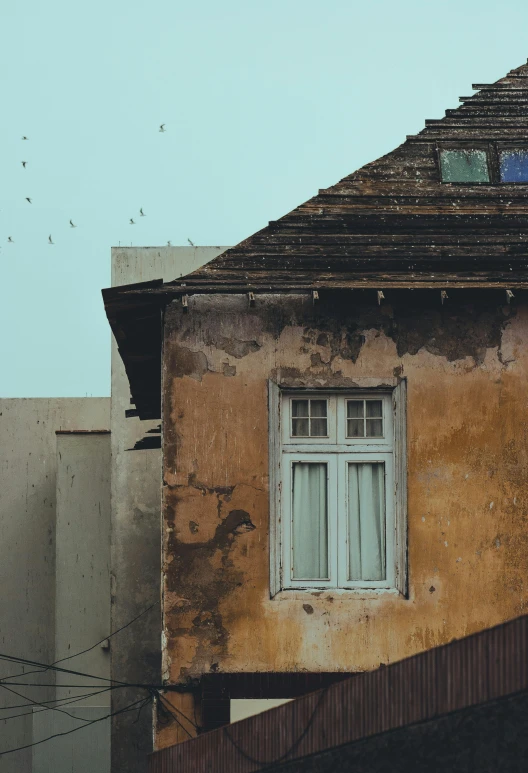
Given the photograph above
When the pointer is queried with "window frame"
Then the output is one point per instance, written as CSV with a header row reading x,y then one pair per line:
x,y
492,149
391,450
505,146
465,146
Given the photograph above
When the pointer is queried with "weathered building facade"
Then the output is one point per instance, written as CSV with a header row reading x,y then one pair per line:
x,y
344,421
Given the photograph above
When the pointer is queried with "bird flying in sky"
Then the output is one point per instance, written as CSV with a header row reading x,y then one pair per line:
x,y
50,240
142,213
28,199
72,225
132,221
190,242
162,127
24,138
24,164
9,239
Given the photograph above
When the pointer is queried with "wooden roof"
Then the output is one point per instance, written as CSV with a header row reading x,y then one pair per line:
x,y
393,223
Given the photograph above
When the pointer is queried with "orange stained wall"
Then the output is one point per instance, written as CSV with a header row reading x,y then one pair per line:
x,y
466,366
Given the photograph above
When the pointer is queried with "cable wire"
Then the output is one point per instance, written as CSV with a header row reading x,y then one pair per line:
x,y
37,703
46,667
165,705
55,700
292,748
130,707
14,659
76,655
66,702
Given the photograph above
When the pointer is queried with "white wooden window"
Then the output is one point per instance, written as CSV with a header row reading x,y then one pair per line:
x,y
338,504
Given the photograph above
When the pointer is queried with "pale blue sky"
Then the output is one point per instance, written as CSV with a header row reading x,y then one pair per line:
x,y
264,103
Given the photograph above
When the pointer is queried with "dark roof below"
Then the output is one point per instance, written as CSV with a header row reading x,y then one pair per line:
x,y
487,666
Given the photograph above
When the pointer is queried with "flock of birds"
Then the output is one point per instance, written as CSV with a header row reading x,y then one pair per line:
x,y
10,240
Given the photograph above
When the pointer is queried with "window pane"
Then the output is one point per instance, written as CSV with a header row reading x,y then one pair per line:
x,y
300,428
318,408
374,408
310,521
374,427
355,428
299,407
464,166
318,428
514,166
366,521
354,409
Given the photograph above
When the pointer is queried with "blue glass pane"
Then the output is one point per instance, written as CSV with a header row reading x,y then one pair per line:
x,y
514,166
464,166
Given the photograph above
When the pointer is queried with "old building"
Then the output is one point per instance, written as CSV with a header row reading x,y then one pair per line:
x,y
344,421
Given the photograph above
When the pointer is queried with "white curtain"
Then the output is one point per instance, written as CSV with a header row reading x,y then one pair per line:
x,y
310,521
366,521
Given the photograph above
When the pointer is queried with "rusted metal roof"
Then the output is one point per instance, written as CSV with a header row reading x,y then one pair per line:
x,y
468,672
393,223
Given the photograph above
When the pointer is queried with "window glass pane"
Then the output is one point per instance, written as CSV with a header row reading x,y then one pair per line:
x,y
300,428
374,408
464,166
514,166
354,409
310,521
317,407
299,407
374,427
355,428
318,428
366,521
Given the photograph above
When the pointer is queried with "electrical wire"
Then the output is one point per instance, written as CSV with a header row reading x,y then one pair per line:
x,y
37,703
292,748
55,700
167,706
66,702
115,684
77,686
14,659
76,655
130,707
46,667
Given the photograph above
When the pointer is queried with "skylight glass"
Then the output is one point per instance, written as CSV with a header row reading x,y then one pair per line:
x,y
514,165
464,166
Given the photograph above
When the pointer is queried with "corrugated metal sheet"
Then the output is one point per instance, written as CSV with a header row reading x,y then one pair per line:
x,y
482,667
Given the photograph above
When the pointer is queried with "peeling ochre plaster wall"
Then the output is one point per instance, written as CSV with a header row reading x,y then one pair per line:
x,y
466,369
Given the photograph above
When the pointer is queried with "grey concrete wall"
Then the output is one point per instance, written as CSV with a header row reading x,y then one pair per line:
x,y
83,751
136,522
82,568
28,470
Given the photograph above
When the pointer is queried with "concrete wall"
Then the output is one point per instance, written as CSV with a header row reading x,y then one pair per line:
x,y
82,569
136,522
28,472
466,366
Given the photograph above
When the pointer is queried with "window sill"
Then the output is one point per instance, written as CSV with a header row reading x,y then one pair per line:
x,y
331,594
